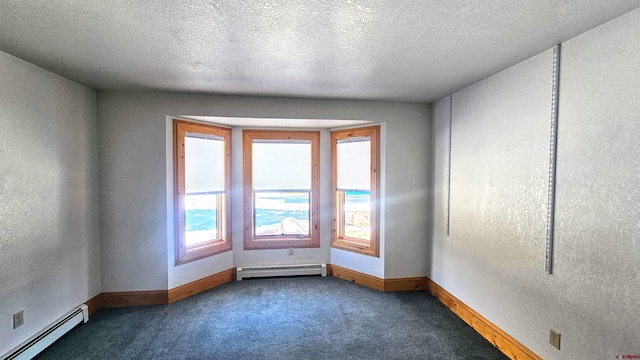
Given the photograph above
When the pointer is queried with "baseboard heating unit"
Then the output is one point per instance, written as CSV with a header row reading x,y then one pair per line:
x,y
246,272
42,340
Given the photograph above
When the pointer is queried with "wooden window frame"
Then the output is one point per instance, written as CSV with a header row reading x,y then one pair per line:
x,y
338,239
184,253
252,242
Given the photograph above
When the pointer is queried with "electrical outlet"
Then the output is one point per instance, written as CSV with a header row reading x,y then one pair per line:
x,y
554,339
18,319
290,251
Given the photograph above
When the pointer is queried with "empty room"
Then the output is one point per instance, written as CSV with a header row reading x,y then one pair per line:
x,y
320,179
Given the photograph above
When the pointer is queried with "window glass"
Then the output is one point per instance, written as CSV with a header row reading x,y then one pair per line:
x,y
201,218
354,180
355,154
357,214
281,213
204,181
202,197
281,182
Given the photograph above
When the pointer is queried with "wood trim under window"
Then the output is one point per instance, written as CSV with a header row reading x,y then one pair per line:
x,y
252,242
338,238
184,253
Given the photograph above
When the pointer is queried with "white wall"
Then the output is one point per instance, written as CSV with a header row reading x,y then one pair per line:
x,y
494,258
49,243
407,199
134,131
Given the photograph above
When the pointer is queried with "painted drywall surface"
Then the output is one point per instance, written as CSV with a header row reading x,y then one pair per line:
x,y
408,211
494,255
49,243
133,136
493,259
133,227
598,199
439,129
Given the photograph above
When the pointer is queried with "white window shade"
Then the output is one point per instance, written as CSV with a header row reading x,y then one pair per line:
x,y
354,164
281,165
204,164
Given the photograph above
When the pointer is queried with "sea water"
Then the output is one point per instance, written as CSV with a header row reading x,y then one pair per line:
x,y
270,209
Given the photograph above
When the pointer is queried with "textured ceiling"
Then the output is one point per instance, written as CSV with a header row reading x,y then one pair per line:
x,y
397,50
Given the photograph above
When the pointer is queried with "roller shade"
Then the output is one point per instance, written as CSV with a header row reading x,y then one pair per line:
x,y
204,164
280,165
354,164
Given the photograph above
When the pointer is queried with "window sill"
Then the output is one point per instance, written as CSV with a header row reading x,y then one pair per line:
x,y
344,244
280,242
203,252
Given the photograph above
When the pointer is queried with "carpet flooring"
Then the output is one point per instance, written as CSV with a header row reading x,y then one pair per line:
x,y
279,318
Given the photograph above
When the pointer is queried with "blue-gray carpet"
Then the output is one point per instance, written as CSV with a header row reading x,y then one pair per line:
x,y
280,318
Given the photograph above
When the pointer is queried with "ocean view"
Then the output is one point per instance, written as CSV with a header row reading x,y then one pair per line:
x,y
272,210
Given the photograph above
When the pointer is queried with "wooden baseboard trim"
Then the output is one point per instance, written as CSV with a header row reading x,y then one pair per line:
x,y
134,298
94,304
159,297
405,284
356,277
200,285
376,283
496,336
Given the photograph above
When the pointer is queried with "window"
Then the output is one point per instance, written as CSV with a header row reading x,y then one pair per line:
x,y
281,189
202,170
355,183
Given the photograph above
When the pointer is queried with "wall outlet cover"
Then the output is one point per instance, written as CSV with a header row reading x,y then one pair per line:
x,y
554,339
18,319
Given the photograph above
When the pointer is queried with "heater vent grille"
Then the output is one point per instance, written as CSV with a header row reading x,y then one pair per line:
x,y
42,340
281,270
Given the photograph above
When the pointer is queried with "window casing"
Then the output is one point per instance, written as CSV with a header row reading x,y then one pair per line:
x,y
355,185
281,172
202,180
